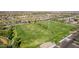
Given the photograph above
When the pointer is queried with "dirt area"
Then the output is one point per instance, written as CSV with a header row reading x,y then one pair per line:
x,y
47,45
4,41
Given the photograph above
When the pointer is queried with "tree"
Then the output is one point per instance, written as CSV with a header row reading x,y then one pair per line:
x,y
11,33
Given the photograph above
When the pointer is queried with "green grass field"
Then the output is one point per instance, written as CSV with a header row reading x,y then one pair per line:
x,y
34,34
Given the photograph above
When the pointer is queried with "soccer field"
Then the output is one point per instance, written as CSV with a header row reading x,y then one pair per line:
x,y
34,34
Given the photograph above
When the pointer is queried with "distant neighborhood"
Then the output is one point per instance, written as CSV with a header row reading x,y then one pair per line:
x,y
34,17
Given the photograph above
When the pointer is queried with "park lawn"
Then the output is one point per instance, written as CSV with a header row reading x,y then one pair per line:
x,y
34,34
